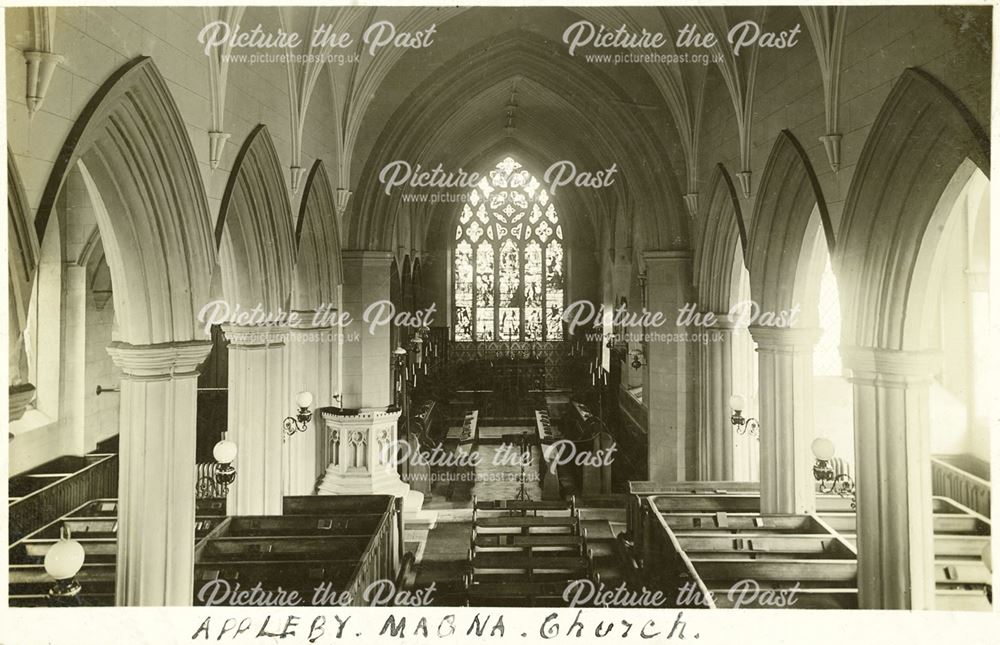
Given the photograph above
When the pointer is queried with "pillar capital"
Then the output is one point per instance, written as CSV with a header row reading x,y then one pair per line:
x,y
723,322
875,365
161,359
255,336
784,339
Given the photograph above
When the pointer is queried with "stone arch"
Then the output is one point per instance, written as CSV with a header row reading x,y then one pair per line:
x,y
418,131
783,228
254,231
318,270
724,231
157,228
913,165
22,265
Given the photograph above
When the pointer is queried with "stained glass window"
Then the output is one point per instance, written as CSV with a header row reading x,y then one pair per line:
x,y
513,286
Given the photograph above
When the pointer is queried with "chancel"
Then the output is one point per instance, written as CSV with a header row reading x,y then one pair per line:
x,y
522,306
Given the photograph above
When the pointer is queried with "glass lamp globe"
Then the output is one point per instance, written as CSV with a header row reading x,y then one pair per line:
x,y
224,451
822,448
64,559
736,402
304,399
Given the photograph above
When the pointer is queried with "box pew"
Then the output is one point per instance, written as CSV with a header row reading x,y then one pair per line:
x,y
712,542
302,577
94,524
959,537
345,541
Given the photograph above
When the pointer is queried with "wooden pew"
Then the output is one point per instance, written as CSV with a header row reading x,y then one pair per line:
x,y
345,542
713,542
525,552
959,537
94,524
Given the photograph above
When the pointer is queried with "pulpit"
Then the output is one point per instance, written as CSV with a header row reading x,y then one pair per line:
x,y
362,449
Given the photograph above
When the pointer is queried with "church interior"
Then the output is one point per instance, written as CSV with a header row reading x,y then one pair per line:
x,y
476,306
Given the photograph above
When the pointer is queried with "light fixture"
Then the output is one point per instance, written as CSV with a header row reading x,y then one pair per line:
x,y
63,561
638,359
829,480
741,424
300,422
225,473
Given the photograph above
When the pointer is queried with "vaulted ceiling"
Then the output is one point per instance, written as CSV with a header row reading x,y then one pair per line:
x,y
448,103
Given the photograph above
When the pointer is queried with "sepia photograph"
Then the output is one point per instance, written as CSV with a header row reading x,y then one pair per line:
x,y
524,323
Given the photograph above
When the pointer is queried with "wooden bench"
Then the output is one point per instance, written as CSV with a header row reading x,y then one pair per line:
x,y
525,552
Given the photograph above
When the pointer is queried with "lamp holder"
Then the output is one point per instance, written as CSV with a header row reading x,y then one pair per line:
x,y
743,425
298,423
830,482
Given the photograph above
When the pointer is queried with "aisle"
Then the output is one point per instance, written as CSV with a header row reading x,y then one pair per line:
x,y
497,477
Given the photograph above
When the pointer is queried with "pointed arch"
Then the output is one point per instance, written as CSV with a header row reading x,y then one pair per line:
x,y
318,270
157,230
22,265
782,231
724,231
909,172
22,251
429,126
254,231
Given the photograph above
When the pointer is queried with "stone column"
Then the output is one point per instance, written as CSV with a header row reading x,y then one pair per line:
x,y
259,399
892,453
74,360
671,371
156,480
310,351
357,429
716,378
786,418
367,382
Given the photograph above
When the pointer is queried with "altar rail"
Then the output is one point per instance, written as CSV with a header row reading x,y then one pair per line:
x,y
66,491
950,481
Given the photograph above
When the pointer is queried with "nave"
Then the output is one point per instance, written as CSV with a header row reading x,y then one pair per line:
x,y
689,325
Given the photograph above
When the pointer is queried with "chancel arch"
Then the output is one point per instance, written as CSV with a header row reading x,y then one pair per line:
x,y
923,149
418,132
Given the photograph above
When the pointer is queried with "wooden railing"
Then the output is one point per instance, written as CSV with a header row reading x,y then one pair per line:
x,y
33,511
383,557
960,485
